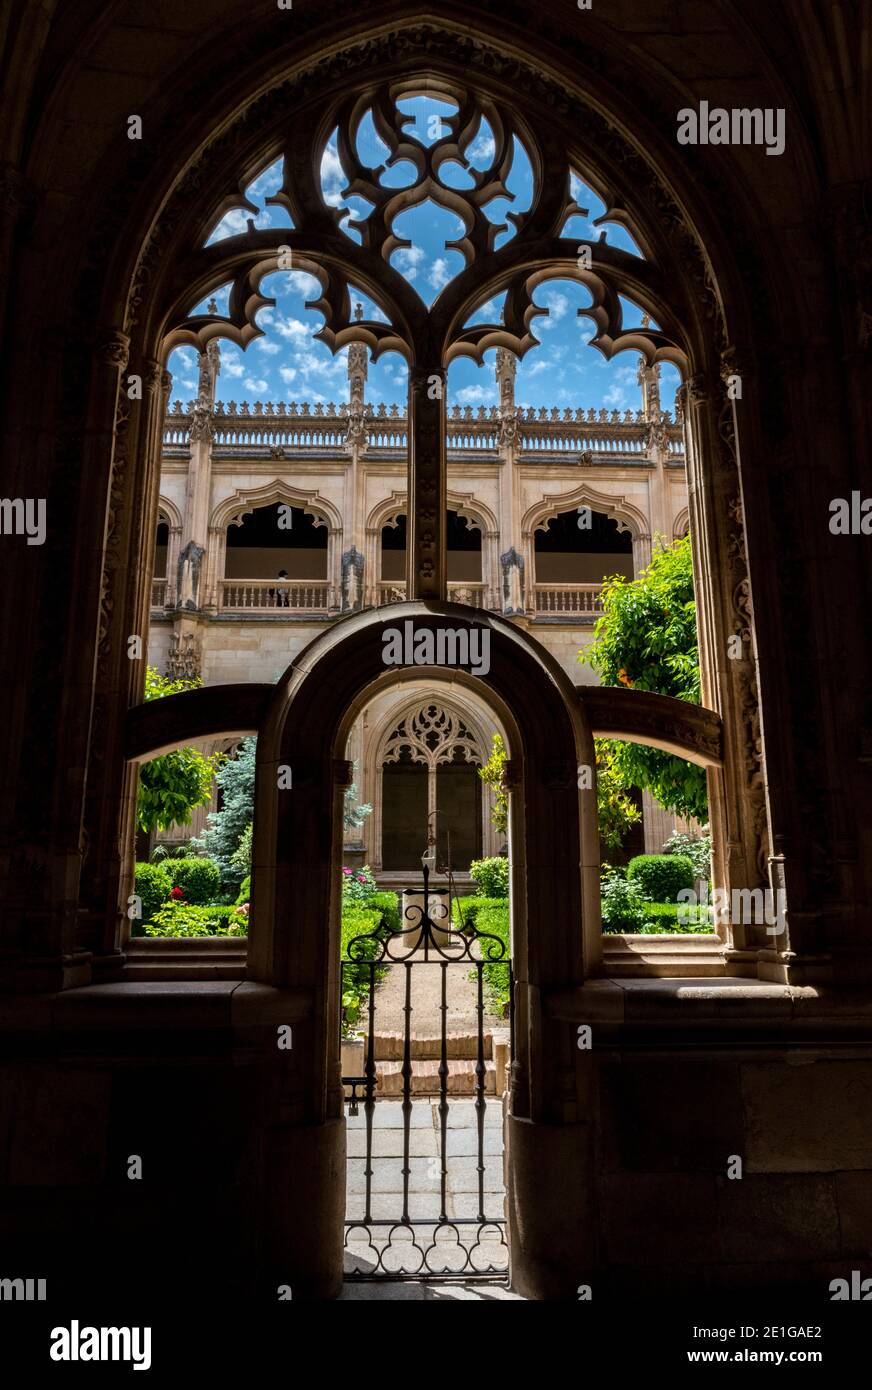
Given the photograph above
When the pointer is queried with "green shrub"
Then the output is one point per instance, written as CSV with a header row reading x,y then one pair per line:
x,y
198,878
698,849
151,883
357,886
244,891
465,911
491,876
623,904
662,876
358,921
664,917
386,904
493,920
186,919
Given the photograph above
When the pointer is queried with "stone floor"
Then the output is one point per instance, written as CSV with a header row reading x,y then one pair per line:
x,y
448,1248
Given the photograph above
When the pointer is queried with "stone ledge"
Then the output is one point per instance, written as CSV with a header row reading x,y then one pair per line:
x,y
148,1004
730,1004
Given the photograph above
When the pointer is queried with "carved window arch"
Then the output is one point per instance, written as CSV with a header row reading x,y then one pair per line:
x,y
432,734
436,739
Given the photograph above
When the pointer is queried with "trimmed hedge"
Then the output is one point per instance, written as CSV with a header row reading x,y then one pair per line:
x,y
199,879
662,876
244,891
152,884
466,910
387,905
358,921
494,920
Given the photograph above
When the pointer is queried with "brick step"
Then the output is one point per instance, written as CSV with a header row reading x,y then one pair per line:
x,y
459,1046
425,1078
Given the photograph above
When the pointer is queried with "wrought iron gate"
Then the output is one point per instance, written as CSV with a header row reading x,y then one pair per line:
x,y
410,1234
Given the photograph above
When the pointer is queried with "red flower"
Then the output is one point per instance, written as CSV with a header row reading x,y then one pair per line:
x,y
177,894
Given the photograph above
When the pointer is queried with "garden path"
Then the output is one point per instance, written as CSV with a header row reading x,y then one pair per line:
x,y
426,1001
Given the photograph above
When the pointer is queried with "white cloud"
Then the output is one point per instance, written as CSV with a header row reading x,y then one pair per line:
x,y
482,147
557,305
439,274
256,384
267,182
333,178
264,345
540,365
231,224
231,366
288,374
476,395
615,396
293,330
302,283
407,261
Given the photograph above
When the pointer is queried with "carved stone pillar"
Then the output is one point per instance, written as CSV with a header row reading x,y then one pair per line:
x,y
426,556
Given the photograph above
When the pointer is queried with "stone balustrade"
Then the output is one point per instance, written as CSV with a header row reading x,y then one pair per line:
x,y
297,425
276,595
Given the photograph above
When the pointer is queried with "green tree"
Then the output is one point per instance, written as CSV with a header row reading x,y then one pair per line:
x,y
616,811
226,829
646,640
615,808
354,812
492,776
172,785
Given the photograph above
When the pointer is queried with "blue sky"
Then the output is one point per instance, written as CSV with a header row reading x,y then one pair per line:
x,y
288,364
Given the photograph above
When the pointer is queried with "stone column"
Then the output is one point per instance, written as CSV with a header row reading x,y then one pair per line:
x,y
514,571
191,577
426,555
349,578
110,806
657,449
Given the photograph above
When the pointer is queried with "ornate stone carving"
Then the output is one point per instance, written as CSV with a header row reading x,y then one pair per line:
x,y
353,565
432,735
185,660
188,576
512,566
113,348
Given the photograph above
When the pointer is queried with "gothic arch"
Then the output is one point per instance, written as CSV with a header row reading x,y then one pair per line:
x,y
462,706
711,280
628,517
170,511
245,500
681,525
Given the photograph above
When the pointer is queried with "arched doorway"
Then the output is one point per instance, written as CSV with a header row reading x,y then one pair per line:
x,y
298,856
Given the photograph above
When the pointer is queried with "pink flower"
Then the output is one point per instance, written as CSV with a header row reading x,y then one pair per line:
x,y
348,872
361,878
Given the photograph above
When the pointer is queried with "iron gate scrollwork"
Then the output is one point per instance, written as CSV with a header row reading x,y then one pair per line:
x,y
408,1244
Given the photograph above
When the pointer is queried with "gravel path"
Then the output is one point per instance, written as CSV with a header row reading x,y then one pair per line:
x,y
426,999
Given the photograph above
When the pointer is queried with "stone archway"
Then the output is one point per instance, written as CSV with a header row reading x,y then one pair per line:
x,y
297,856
